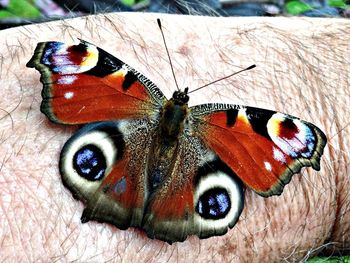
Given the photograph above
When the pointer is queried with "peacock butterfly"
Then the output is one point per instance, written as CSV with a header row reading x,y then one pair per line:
x,y
148,162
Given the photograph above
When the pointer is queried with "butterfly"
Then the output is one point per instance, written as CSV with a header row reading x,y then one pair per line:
x,y
149,162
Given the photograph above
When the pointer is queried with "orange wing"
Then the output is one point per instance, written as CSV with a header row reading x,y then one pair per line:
x,y
83,83
264,148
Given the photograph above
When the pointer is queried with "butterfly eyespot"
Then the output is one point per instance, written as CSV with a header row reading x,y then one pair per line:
x,y
88,157
214,204
90,163
218,199
292,136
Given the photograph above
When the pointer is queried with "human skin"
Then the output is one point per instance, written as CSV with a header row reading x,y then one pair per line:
x,y
302,69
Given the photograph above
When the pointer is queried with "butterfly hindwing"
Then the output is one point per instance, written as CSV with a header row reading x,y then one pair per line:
x,y
200,196
83,83
104,166
264,148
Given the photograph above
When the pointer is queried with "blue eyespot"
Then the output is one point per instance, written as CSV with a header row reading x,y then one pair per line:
x,y
90,163
214,204
51,48
310,142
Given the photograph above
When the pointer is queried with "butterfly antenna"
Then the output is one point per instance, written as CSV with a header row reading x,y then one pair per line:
x,y
167,51
229,76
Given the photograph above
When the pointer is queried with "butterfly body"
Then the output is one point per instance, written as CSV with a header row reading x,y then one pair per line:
x,y
148,162
173,116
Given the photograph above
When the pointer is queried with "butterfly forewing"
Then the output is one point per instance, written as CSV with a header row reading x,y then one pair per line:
x,y
264,148
83,83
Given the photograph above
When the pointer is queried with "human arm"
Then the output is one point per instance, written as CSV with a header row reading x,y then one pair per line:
x,y
301,70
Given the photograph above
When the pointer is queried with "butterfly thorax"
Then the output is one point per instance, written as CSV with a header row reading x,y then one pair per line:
x,y
173,116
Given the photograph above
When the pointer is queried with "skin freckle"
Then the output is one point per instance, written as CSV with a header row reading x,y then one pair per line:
x,y
184,50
